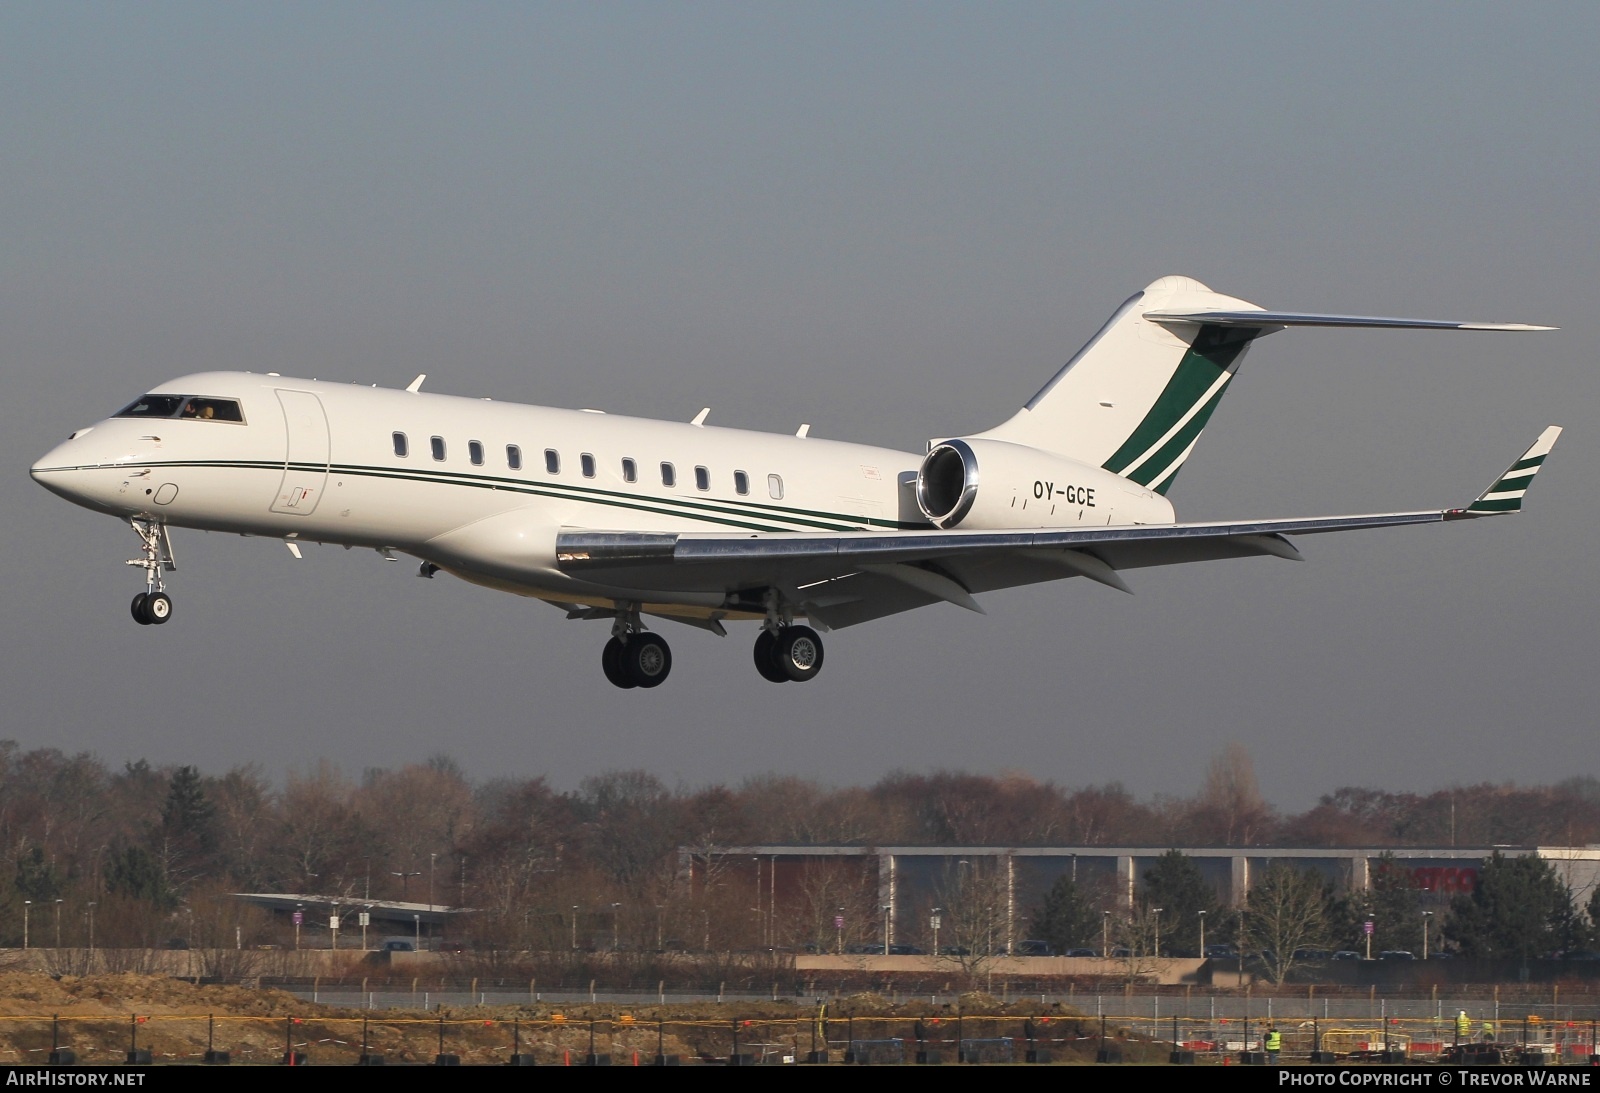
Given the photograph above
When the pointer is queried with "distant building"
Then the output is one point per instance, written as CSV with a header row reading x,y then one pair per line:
x,y
912,880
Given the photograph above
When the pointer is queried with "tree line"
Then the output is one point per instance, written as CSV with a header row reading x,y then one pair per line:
x,y
146,854
1519,908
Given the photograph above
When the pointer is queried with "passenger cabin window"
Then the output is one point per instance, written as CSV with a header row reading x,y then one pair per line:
x,y
630,471
437,444
741,483
669,475
190,407
475,452
775,486
552,461
702,478
401,447
586,462
513,457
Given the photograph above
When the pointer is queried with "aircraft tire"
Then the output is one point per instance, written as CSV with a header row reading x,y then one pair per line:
x,y
767,658
799,653
138,609
158,607
647,659
611,664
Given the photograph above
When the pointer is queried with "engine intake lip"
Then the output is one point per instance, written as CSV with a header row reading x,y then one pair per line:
x,y
947,483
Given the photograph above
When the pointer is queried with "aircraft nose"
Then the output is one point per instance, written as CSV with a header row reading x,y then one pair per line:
x,y
59,469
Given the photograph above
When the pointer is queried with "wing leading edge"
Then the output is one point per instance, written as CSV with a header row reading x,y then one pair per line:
x,y
850,577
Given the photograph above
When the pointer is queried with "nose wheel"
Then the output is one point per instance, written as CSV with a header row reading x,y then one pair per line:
x,y
793,653
152,606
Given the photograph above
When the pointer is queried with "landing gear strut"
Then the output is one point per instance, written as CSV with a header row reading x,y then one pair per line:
x,y
153,605
634,657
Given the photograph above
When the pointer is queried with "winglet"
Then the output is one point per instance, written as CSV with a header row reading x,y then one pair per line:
x,y
1506,493
416,385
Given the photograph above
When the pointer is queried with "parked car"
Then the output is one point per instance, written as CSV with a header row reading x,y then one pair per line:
x,y
1032,948
904,950
1347,954
1082,952
1220,952
1312,954
1396,954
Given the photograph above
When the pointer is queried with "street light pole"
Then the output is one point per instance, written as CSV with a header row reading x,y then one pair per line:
x,y
1157,912
935,924
574,927
1105,934
58,923
1202,935
887,907
91,934
1426,916
838,927
616,919
27,903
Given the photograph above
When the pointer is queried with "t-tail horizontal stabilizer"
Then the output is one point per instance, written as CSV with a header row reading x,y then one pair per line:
x,y
1506,493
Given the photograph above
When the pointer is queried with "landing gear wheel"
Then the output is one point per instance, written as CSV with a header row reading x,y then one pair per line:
x,y
767,658
647,659
611,664
138,609
798,653
158,607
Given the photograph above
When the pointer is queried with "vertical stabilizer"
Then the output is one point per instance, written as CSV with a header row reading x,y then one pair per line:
x,y
1135,399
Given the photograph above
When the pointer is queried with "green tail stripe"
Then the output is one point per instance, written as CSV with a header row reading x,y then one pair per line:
x,y
1214,350
1508,485
1167,485
1173,449
1506,504
1524,464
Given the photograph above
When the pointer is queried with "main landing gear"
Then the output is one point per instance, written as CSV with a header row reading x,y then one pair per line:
x,y
153,605
792,653
636,659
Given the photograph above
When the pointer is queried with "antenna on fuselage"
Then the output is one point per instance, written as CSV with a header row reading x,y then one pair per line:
x,y
416,385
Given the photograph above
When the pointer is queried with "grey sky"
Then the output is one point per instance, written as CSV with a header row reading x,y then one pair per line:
x,y
892,221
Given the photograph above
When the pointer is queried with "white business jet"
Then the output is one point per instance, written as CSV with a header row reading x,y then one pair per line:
x,y
624,519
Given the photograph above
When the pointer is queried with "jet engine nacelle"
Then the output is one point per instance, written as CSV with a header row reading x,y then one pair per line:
x,y
989,484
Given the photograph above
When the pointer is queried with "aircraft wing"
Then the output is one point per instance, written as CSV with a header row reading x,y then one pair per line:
x,y
845,578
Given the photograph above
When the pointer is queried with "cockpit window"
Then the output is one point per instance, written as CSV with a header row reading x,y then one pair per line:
x,y
212,409
153,406
193,407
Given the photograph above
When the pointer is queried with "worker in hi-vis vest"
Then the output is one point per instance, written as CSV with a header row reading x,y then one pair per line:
x,y
1463,1028
1274,1043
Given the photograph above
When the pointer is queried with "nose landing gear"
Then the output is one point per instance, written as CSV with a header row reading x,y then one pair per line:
x,y
153,605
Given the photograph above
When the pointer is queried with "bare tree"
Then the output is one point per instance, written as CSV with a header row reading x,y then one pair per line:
x,y
1230,807
1288,911
974,897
